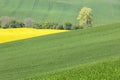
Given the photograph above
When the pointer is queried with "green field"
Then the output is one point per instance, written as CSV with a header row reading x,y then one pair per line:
x,y
105,11
105,70
64,56
92,53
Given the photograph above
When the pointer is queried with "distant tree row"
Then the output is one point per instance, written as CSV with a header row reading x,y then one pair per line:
x,y
85,18
9,22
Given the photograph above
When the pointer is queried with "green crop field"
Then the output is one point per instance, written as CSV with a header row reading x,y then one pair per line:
x,y
104,11
92,53
105,70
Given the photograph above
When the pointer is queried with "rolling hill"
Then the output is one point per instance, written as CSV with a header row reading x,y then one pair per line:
x,y
104,70
105,11
31,58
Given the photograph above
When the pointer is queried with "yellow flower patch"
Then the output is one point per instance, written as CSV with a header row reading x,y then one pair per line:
x,y
7,35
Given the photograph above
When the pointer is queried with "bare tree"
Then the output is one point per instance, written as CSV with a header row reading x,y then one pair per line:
x,y
5,21
28,22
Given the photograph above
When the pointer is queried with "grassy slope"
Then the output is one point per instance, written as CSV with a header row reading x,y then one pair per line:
x,y
105,11
103,70
39,55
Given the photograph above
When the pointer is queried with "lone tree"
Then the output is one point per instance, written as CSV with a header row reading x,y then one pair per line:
x,y
85,17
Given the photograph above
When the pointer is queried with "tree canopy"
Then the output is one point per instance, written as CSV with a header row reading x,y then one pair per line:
x,y
85,17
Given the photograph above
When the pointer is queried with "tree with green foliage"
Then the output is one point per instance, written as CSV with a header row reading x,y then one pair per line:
x,y
67,26
16,24
60,26
75,27
85,17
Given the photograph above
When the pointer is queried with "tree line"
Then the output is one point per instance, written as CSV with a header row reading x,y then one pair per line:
x,y
85,18
10,22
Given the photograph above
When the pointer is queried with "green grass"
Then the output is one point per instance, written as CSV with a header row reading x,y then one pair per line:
x,y
105,70
105,11
37,56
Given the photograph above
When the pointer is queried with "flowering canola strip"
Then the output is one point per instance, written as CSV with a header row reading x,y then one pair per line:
x,y
7,35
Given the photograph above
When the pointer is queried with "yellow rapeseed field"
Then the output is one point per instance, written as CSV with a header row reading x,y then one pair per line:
x,y
7,35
